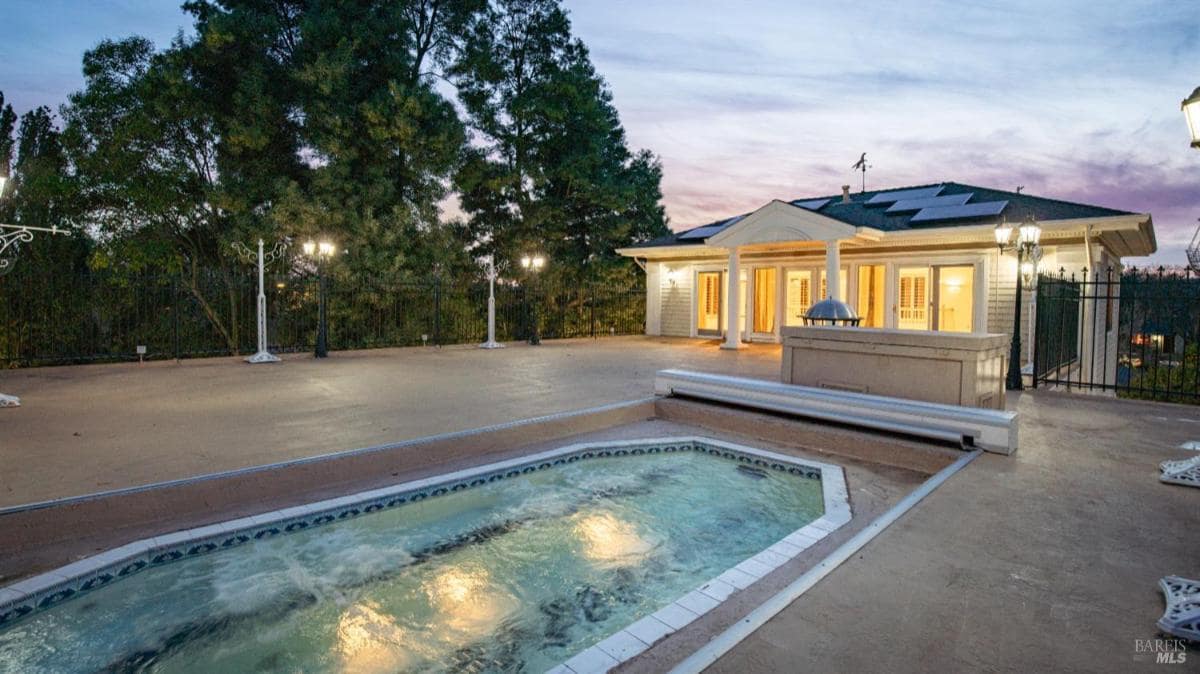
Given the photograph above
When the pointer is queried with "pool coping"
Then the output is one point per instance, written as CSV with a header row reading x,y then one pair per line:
x,y
46,590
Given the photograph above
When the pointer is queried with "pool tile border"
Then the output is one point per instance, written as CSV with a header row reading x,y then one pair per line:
x,y
19,600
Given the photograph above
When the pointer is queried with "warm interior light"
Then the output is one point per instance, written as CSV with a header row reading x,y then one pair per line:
x,y
1191,111
309,247
326,248
539,262
526,261
1003,234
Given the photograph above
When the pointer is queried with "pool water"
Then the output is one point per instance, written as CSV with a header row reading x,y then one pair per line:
x,y
512,576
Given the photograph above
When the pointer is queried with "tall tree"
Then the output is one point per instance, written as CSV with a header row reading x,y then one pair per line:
x,y
549,167
145,140
40,192
8,124
379,137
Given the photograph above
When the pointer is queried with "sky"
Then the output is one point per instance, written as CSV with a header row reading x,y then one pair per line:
x,y
745,102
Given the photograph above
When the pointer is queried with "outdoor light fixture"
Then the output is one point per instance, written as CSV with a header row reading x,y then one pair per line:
x,y
1191,110
1029,253
533,264
1029,233
491,342
1027,270
263,355
321,252
1003,234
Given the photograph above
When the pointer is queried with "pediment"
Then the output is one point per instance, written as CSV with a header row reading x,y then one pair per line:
x,y
778,222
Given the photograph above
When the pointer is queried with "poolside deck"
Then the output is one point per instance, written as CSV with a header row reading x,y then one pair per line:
x,y
93,428
1044,560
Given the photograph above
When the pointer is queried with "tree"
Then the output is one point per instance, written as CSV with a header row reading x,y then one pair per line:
x,y
145,143
380,140
549,167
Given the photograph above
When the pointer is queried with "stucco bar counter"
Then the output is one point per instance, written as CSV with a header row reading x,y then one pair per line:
x,y
951,368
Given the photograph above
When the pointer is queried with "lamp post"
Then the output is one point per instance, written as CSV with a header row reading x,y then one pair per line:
x,y
243,251
532,264
321,252
10,236
1028,254
1191,111
491,342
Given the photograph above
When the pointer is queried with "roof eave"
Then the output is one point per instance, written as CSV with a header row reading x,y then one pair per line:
x,y
653,252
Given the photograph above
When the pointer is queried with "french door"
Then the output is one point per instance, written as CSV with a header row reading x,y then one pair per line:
x,y
708,303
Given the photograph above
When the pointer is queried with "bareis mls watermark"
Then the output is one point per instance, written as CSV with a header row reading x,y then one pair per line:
x,y
1163,651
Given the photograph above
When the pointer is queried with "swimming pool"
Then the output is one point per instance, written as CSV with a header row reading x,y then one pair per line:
x,y
585,554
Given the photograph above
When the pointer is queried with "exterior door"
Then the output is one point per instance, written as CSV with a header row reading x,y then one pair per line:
x,y
764,301
912,303
798,295
954,298
708,303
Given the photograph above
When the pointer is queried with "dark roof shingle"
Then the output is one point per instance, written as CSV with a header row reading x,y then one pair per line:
x,y
859,214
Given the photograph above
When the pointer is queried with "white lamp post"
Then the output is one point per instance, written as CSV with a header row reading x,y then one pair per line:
x,y
243,251
10,236
1191,110
491,342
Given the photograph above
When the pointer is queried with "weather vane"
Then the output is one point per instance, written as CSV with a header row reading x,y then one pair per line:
x,y
862,165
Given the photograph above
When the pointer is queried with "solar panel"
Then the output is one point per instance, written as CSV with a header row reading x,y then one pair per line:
x,y
708,230
900,195
700,232
812,204
964,211
909,205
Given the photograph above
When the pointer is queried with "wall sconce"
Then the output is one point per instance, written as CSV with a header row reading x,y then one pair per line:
x,y
673,277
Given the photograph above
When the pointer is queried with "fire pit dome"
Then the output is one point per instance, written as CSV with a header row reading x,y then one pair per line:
x,y
831,312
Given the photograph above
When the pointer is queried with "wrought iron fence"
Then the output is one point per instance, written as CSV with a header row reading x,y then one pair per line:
x,y
1135,334
97,316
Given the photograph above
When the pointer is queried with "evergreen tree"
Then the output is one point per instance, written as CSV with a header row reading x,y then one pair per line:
x,y
549,168
379,138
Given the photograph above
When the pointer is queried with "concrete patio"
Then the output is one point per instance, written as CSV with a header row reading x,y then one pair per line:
x,y
91,428
1046,560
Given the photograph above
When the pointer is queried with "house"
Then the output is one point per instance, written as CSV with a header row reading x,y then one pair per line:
x,y
916,258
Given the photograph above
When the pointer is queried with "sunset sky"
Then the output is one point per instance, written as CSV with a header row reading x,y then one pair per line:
x,y
1076,100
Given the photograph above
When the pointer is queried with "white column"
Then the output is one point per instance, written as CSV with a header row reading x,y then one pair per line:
x,y
733,329
833,267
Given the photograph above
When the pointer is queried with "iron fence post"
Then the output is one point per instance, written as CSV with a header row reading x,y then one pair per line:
x,y
1037,331
175,316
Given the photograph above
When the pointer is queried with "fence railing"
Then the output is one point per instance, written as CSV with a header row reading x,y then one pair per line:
x,y
95,316
1135,334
